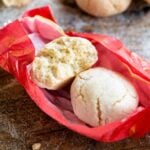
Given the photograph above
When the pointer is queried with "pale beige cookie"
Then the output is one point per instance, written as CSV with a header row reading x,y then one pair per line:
x,y
100,96
62,59
18,3
148,1
103,8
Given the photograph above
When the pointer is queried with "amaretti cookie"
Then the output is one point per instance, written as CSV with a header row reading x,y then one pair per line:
x,y
103,8
100,96
62,59
18,3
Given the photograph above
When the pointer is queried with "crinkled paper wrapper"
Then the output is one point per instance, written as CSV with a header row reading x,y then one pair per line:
x,y
21,39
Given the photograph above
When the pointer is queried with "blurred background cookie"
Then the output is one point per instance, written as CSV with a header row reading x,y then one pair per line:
x,y
103,8
17,3
148,1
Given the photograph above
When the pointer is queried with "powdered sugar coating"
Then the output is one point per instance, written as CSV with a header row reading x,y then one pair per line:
x,y
100,96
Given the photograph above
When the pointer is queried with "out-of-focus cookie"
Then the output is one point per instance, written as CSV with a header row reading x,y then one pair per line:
x,y
18,3
148,1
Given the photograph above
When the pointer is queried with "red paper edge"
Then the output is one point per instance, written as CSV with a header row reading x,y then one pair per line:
x,y
44,11
59,120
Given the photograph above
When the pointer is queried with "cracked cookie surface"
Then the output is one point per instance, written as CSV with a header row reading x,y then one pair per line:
x,y
100,96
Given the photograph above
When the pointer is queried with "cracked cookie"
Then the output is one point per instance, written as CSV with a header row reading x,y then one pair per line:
x,y
100,96
17,3
103,8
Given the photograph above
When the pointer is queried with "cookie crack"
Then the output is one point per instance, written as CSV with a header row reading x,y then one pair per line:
x,y
80,93
131,94
98,111
85,79
114,5
119,100
81,88
88,3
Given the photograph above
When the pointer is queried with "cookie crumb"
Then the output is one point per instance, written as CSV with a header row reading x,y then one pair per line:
x,y
36,146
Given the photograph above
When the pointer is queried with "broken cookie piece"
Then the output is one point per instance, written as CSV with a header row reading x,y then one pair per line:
x,y
61,60
100,96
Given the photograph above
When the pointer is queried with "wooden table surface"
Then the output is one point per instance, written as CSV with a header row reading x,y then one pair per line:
x,y
23,126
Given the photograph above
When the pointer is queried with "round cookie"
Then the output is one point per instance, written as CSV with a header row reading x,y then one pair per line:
x,y
100,96
17,3
103,8
148,1
62,59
